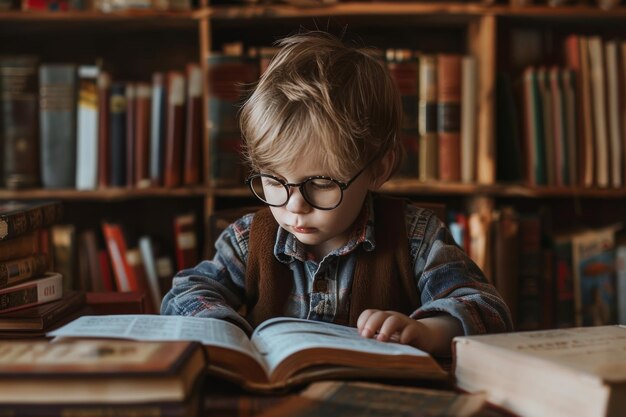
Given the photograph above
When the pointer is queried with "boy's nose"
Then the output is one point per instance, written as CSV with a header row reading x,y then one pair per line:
x,y
296,202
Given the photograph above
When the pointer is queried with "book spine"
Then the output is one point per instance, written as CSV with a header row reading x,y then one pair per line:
x,y
116,245
158,124
20,247
185,241
57,116
570,99
194,127
468,118
613,78
449,116
117,138
19,121
598,98
545,107
558,127
175,129
104,113
15,271
29,219
142,135
87,129
427,118
31,293
130,139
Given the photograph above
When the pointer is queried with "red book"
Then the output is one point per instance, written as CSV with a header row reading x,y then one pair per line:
x,y
143,94
193,129
185,241
105,271
116,245
174,136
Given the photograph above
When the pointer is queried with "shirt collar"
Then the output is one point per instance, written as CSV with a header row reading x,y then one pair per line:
x,y
288,249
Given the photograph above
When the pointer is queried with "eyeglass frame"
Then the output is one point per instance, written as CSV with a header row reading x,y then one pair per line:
x,y
289,185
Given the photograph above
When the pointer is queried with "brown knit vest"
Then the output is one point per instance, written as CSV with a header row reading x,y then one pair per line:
x,y
383,278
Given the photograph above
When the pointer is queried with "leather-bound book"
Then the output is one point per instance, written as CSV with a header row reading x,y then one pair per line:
x,y
193,129
117,135
427,118
131,120
158,123
175,133
104,85
143,94
57,121
19,127
449,116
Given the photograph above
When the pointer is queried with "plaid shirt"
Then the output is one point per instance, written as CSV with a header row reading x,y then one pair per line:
x,y
448,281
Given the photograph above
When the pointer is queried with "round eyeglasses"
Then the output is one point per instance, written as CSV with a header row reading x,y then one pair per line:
x,y
320,192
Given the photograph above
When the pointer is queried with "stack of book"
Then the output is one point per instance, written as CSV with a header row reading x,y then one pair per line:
x,y
31,295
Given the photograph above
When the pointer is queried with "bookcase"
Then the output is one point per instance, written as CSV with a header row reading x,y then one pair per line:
x,y
501,38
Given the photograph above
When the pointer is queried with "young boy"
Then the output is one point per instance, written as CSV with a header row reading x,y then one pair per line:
x,y
321,133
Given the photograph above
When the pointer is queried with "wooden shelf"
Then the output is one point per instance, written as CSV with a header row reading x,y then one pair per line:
x,y
107,194
73,16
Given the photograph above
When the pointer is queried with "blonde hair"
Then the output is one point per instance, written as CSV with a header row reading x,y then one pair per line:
x,y
323,99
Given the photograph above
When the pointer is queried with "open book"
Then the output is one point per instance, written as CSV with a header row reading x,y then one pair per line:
x,y
281,352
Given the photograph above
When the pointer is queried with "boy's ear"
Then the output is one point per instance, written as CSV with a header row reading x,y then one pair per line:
x,y
381,171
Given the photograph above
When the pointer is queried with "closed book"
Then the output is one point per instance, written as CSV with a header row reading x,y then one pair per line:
x,y
98,377
158,123
175,133
117,135
227,76
131,120
599,108
534,146
404,70
185,241
559,132
614,79
18,270
57,121
64,249
194,127
19,121
545,107
469,112
141,166
570,101
20,247
558,373
18,218
427,118
589,135
117,248
104,140
87,128
148,257
449,116
38,291
42,317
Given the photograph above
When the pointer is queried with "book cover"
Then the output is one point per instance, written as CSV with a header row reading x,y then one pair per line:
x,y
19,218
30,293
22,269
175,129
57,121
593,259
19,121
194,127
87,128
292,349
558,373
90,372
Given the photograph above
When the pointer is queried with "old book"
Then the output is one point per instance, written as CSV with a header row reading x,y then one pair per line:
x,y
57,121
355,399
104,113
99,377
117,135
427,118
547,121
141,166
18,218
30,293
469,103
175,129
449,116
404,70
613,89
281,352
20,247
558,373
194,127
42,317
570,101
557,113
117,248
588,114
64,254
185,241
19,121
129,139
87,128
18,270
599,108
157,128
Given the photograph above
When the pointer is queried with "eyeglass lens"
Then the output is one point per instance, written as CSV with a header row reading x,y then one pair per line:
x,y
319,192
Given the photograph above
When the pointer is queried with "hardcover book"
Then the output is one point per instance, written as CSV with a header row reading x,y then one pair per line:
x,y
30,293
99,377
42,317
87,128
559,373
281,352
18,218
18,270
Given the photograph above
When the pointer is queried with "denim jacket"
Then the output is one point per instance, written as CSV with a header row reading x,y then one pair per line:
x,y
448,281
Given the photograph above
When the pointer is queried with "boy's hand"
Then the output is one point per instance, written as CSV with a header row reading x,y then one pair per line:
x,y
431,334
391,326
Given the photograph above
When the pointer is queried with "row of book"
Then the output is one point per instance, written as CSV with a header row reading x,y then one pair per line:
x,y
99,5
69,126
439,103
572,118
548,279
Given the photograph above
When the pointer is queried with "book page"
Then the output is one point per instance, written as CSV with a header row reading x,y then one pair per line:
x,y
208,331
278,338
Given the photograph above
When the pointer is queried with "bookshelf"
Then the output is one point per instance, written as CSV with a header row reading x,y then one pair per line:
x,y
134,43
